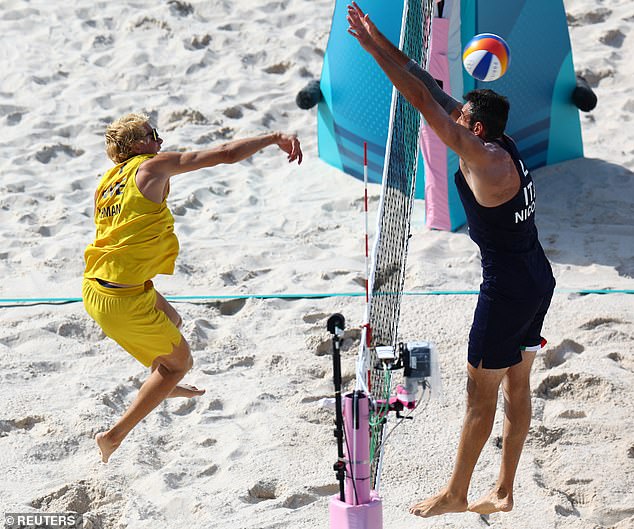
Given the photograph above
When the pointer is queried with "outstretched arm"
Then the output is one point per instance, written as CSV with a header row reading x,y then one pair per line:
x,y
379,39
154,174
451,106
456,137
173,163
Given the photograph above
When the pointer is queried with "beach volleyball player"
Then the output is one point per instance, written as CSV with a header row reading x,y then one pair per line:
x,y
498,195
135,241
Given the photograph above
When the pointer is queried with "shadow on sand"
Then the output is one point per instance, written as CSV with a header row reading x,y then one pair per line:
x,y
586,213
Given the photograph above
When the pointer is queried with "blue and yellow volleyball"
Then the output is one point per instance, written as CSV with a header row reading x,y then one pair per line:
x,y
486,57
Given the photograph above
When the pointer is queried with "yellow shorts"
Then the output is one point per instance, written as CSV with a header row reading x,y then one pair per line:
x,y
129,316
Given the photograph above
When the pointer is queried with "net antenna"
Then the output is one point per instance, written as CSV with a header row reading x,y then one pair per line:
x,y
387,273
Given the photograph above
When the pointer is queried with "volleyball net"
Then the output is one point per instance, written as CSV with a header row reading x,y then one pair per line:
x,y
389,254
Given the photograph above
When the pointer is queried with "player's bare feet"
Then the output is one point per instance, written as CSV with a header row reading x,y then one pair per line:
x,y
497,500
442,503
106,447
186,390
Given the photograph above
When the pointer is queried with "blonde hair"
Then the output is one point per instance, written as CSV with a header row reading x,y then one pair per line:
x,y
122,133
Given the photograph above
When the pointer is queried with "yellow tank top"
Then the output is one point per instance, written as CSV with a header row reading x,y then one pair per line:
x,y
135,237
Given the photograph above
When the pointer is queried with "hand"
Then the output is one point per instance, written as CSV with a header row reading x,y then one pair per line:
x,y
290,145
361,27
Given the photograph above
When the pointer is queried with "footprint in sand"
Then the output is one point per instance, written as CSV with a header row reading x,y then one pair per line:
x,y
26,423
316,317
595,16
174,480
262,491
149,23
241,361
572,414
180,9
58,449
198,42
267,120
556,356
233,112
230,307
232,26
14,118
319,346
597,322
215,405
295,501
76,329
624,362
568,509
329,276
278,68
103,41
198,333
185,408
48,152
279,362
13,114
613,38
543,436
574,386
117,399
81,497
265,490
186,116
325,490
209,471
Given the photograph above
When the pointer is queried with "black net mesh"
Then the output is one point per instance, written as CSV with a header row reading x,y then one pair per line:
x,y
393,231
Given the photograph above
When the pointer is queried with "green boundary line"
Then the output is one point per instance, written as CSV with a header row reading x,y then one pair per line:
x,y
213,297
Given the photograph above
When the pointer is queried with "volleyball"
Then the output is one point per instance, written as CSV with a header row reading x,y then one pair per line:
x,y
486,57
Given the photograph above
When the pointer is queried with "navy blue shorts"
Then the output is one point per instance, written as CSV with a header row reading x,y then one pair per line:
x,y
503,328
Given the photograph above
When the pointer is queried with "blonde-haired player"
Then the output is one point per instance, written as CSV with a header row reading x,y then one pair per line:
x,y
135,241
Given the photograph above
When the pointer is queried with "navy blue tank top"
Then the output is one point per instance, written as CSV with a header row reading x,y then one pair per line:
x,y
513,261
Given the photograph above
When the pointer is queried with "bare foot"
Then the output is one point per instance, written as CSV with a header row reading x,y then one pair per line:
x,y
497,500
442,503
185,390
106,447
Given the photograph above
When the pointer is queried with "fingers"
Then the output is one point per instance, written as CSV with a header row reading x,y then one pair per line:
x,y
353,19
355,13
353,7
296,151
292,146
359,23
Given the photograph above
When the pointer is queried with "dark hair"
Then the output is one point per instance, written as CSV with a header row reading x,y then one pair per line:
x,y
489,108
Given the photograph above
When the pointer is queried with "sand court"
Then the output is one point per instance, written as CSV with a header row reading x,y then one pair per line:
x,y
256,451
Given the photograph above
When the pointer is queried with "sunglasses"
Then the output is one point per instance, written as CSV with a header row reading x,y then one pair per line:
x,y
154,134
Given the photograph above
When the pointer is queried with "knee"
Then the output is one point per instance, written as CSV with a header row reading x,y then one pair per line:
x,y
517,392
181,358
187,360
481,395
189,363
484,407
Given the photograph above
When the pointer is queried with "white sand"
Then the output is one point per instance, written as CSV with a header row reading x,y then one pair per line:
x,y
256,451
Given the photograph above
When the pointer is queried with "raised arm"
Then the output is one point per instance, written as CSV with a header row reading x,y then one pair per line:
x,y
456,137
379,39
154,174
451,106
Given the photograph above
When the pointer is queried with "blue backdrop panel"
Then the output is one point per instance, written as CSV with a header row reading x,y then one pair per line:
x,y
543,120
357,95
